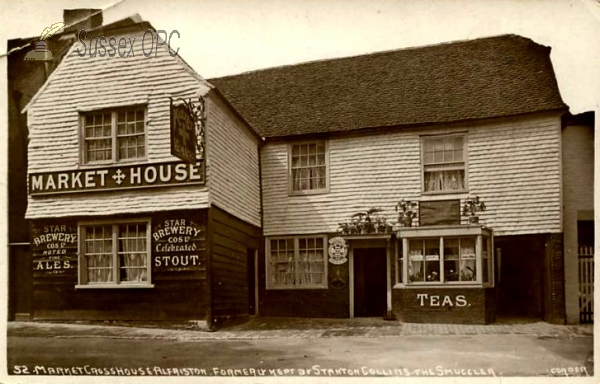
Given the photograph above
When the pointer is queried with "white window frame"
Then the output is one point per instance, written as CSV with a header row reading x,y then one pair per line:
x,y
428,167
402,278
114,136
82,282
313,191
271,286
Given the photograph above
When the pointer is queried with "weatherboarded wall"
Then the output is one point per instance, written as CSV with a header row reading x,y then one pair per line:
x,y
82,84
232,241
233,170
513,165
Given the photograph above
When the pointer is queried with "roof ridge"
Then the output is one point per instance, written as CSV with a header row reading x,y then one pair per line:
x,y
376,53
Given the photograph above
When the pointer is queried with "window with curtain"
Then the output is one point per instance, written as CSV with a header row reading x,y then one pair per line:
x,y
447,260
308,167
114,254
114,135
296,262
444,163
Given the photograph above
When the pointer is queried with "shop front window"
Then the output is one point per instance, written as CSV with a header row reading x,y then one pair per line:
x,y
115,254
296,262
447,260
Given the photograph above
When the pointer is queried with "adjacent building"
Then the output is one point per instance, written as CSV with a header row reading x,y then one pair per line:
x,y
434,126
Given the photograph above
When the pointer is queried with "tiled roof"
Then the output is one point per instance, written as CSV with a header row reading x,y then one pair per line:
x,y
488,77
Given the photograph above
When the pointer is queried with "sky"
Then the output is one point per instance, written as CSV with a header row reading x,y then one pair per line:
x,y
227,37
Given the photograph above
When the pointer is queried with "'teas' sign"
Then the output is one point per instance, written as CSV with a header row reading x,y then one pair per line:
x,y
183,132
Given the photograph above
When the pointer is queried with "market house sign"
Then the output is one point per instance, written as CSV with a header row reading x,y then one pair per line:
x,y
117,178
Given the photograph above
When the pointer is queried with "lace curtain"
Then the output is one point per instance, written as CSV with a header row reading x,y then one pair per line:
x,y
444,180
132,243
98,250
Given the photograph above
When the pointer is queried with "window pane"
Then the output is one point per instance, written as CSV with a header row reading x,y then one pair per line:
x,y
415,266
415,271
451,269
132,257
485,270
281,263
432,270
467,270
451,249
98,254
467,248
444,180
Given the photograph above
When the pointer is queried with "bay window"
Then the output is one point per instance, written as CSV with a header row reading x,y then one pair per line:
x,y
296,262
451,255
114,254
114,135
444,163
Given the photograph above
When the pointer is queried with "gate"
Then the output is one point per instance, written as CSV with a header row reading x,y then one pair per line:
x,y
586,284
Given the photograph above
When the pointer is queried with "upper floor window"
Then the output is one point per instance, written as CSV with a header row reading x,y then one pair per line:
x,y
444,163
114,254
308,167
114,135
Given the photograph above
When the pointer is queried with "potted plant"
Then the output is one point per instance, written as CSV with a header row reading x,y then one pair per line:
x,y
407,211
370,221
471,207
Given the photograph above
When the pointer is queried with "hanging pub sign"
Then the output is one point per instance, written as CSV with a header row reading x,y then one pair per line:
x,y
116,178
187,129
338,250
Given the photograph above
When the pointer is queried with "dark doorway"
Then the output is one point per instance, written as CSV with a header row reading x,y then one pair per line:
x,y
370,286
20,281
251,282
520,284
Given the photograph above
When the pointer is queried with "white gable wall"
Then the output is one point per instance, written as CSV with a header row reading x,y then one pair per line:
x,y
82,84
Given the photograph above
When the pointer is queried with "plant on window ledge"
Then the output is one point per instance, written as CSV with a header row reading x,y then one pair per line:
x,y
370,221
471,207
407,211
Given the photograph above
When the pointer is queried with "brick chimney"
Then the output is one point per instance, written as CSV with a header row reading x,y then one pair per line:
x,y
82,19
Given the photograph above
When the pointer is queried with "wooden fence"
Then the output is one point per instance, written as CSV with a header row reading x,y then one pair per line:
x,y
586,284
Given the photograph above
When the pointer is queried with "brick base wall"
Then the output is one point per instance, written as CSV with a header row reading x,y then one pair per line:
x,y
555,280
445,305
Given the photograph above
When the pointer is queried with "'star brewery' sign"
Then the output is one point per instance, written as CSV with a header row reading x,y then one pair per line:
x,y
116,178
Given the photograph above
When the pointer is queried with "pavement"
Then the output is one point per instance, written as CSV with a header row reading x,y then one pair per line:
x,y
281,327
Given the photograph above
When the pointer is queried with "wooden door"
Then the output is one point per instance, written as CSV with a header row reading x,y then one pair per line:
x,y
370,290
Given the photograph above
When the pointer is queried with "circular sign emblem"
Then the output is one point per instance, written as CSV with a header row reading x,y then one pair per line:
x,y
338,250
